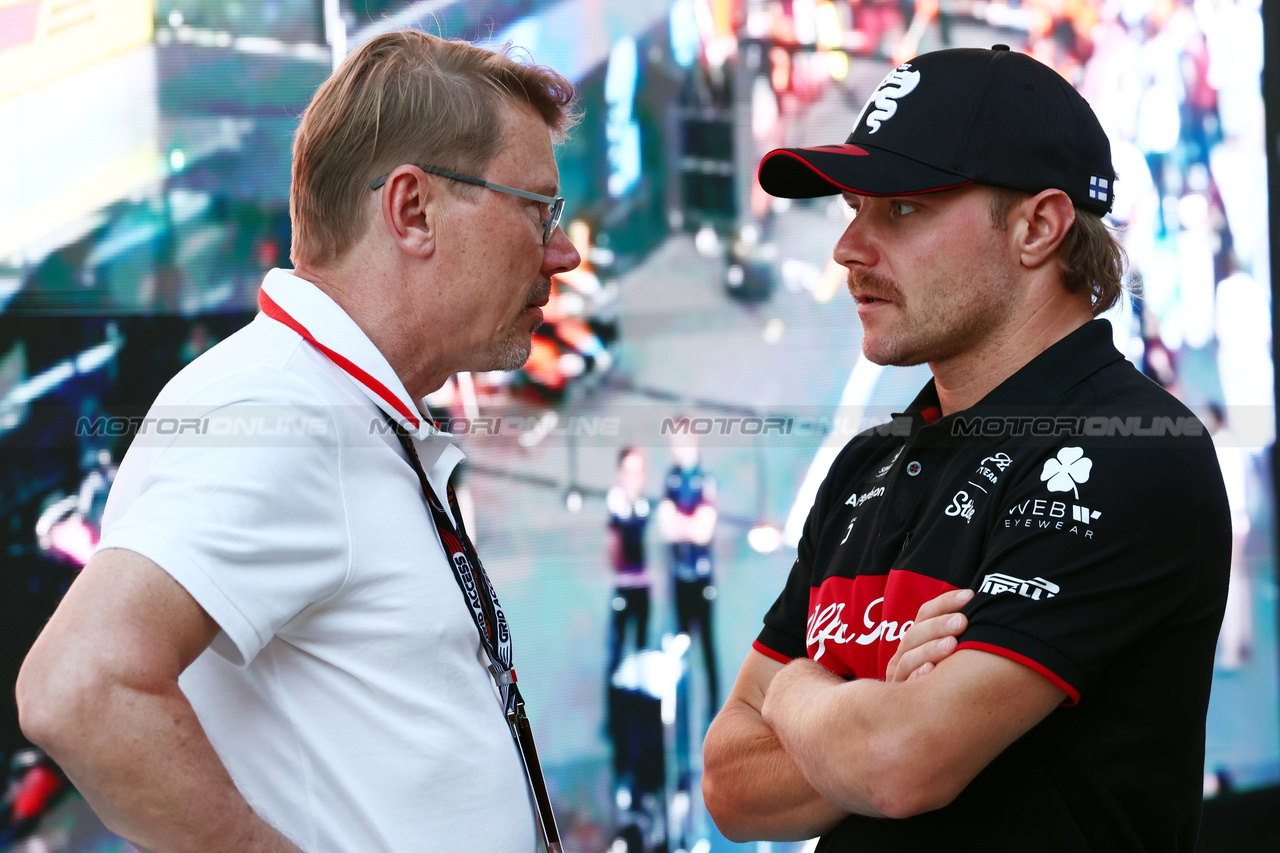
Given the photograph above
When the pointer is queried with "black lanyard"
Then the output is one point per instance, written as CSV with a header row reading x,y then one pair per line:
x,y
495,636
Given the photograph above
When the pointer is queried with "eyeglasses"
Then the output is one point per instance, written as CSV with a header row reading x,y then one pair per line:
x,y
555,206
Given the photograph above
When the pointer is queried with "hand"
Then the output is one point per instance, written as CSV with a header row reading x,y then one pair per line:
x,y
931,638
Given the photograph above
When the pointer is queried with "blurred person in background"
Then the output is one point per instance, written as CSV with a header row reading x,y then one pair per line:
x,y
285,640
687,522
628,518
999,630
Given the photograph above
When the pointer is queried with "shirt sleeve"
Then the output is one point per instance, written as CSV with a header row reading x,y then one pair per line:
x,y
1097,548
783,635
247,516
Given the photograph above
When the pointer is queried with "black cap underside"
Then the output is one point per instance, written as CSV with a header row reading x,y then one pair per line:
x,y
862,169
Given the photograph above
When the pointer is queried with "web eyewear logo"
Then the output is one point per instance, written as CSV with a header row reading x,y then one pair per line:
x,y
1083,514
898,84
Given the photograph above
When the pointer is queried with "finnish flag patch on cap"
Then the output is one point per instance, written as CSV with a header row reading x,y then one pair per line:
x,y
1098,188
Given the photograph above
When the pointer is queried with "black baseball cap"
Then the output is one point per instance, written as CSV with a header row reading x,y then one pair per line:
x,y
955,117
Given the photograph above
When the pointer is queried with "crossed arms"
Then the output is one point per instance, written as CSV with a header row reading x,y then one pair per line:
x,y
797,749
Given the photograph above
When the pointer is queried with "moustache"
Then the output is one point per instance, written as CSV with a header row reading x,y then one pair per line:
x,y
539,293
874,284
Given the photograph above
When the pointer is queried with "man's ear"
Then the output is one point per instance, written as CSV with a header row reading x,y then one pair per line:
x,y
409,209
1040,223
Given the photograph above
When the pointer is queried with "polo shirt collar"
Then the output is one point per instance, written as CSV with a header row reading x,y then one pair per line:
x,y
1054,372
310,312
1041,381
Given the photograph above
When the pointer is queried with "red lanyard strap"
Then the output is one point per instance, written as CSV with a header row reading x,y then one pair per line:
x,y
495,636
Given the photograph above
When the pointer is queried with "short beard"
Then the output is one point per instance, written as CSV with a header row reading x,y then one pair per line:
x,y
513,351
938,338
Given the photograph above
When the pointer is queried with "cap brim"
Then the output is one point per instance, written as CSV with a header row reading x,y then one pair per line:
x,y
861,169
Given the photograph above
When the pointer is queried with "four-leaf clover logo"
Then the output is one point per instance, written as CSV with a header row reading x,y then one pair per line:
x,y
1069,468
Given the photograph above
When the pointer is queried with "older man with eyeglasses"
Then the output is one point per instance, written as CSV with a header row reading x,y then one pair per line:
x,y
286,640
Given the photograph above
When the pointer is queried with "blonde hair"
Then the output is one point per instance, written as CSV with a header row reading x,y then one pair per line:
x,y
405,97
1090,256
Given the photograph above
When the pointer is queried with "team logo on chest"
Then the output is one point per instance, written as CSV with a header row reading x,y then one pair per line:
x,y
855,624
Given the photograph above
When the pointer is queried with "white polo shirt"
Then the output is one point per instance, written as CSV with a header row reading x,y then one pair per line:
x,y
346,692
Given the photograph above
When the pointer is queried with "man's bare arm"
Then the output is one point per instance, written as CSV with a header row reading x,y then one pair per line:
x,y
99,692
751,787
900,749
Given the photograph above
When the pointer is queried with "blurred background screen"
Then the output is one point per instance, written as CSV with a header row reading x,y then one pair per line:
x,y
144,181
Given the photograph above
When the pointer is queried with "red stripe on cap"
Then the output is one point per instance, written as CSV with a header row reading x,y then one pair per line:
x,y
275,312
851,150
1073,695
843,148
770,653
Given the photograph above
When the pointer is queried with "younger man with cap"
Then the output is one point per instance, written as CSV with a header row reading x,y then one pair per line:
x,y
1069,507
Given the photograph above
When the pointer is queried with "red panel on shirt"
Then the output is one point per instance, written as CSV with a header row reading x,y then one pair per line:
x,y
855,623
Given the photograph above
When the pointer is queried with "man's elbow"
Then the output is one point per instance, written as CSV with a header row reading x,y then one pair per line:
x,y
730,816
37,715
51,704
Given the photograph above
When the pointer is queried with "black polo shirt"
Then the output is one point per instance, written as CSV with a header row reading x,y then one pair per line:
x,y
1085,507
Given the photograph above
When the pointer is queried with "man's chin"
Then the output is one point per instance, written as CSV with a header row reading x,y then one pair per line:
x,y
511,355
890,358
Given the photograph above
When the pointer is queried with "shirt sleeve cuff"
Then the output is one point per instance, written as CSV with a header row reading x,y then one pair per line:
x,y
1031,653
779,645
238,641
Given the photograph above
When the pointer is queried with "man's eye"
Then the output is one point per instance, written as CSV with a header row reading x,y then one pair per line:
x,y
902,208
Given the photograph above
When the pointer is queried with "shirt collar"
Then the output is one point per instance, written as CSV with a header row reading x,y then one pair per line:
x,y
1051,374
1040,382
310,312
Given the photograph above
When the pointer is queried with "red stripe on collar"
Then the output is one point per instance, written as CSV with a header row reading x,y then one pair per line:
x,y
275,312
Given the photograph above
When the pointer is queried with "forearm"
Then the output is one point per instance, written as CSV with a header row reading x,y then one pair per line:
x,y
753,789
145,765
817,718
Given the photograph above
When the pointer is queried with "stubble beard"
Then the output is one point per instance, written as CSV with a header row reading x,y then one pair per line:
x,y
513,351
891,346
956,318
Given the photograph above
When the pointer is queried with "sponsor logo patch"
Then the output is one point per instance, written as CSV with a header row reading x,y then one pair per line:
x,y
855,624
1035,589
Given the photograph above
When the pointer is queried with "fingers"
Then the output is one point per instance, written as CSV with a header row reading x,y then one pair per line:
x,y
928,654
921,670
932,637
948,602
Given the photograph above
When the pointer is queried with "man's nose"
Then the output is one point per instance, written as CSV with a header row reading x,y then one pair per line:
x,y
560,255
856,247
